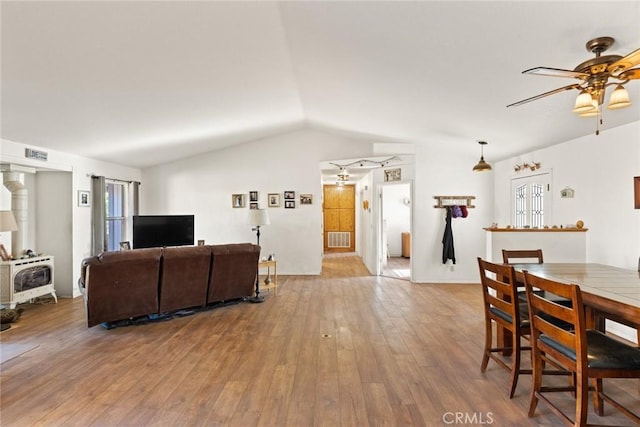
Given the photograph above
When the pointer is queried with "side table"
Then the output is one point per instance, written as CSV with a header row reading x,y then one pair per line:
x,y
273,284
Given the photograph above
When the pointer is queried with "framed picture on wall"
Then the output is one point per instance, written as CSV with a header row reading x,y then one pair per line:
x,y
289,204
306,199
289,195
253,205
84,198
253,196
274,200
393,175
238,201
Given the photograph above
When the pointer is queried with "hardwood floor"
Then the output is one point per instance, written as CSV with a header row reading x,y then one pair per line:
x,y
343,349
398,267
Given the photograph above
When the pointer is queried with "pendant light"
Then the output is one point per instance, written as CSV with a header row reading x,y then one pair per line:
x,y
482,166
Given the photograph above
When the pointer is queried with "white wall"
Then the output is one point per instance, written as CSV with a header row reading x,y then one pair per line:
x,y
600,169
79,239
203,186
440,172
54,225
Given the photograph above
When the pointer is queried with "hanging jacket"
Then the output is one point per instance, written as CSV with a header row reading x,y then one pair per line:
x,y
447,241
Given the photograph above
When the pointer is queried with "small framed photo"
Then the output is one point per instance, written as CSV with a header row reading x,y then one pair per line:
x,y
125,246
393,175
200,242
289,195
84,198
253,196
274,200
306,199
289,204
567,193
253,205
238,201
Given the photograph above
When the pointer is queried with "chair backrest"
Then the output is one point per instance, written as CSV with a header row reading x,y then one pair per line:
x,y
521,255
557,330
500,298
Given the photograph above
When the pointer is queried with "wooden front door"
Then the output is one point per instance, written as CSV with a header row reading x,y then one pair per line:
x,y
339,218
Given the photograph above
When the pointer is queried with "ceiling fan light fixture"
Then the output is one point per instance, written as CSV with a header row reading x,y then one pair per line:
x,y
584,103
619,98
593,112
482,166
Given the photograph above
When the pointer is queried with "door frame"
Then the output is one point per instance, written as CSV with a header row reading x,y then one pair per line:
x,y
380,224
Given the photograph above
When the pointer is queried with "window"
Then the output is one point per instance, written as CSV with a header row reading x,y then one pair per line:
x,y
116,214
530,201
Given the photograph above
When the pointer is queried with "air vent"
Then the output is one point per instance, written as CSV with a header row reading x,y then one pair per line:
x,y
339,239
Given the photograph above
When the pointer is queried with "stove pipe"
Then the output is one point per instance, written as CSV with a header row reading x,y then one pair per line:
x,y
13,181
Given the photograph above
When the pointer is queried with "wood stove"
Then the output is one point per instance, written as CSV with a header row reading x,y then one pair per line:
x,y
22,280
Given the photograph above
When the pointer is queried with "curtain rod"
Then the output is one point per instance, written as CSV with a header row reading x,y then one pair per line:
x,y
112,179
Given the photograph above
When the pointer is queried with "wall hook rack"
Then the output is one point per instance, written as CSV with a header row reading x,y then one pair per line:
x,y
444,201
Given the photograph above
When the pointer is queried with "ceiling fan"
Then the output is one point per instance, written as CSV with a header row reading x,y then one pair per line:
x,y
596,74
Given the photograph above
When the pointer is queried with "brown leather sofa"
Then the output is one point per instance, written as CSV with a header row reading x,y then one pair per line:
x,y
146,282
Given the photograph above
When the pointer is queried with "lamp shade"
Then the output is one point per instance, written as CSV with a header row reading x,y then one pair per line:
x,y
619,98
593,112
7,221
584,102
258,217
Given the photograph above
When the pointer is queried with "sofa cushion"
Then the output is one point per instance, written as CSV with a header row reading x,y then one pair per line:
x,y
121,285
233,271
184,277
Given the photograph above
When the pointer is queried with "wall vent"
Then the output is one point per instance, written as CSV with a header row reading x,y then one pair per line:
x,y
339,239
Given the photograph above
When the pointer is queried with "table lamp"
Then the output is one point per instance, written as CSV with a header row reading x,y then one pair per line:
x,y
7,223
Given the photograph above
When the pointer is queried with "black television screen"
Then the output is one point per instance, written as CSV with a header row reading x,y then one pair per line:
x,y
153,231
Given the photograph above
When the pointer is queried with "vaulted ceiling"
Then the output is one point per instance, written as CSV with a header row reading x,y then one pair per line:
x,y
142,83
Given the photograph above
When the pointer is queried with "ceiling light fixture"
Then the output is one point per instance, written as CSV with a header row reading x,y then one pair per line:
x,y
482,166
362,162
595,74
584,103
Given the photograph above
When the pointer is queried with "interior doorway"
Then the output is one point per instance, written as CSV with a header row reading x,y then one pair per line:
x,y
339,204
395,230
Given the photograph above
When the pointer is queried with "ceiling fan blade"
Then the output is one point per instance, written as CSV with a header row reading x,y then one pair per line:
x,y
542,95
556,72
632,74
625,63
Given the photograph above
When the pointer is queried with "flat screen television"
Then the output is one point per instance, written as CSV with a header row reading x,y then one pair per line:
x,y
156,231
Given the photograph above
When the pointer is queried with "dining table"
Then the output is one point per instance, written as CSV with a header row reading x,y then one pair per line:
x,y
607,292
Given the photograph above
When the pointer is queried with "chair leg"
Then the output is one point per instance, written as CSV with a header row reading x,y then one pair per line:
x,y
582,400
598,403
536,380
515,366
488,340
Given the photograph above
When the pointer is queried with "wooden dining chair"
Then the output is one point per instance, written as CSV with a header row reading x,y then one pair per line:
x,y
514,256
589,354
518,256
502,307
